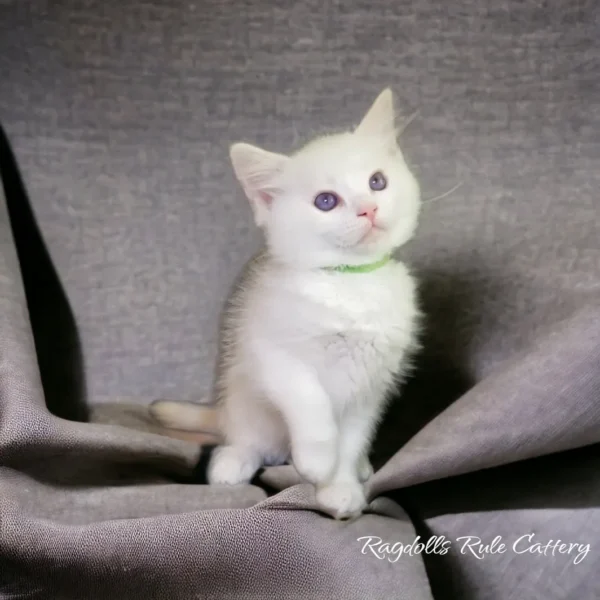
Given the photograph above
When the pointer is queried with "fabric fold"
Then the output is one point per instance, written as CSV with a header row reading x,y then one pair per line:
x,y
541,402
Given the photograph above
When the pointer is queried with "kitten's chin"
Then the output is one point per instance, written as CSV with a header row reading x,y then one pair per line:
x,y
379,242
370,250
376,242
372,235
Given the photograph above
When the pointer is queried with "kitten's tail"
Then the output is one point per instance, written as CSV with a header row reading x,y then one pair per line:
x,y
180,420
186,416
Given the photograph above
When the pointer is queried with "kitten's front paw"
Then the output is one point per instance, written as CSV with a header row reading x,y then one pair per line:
x,y
364,469
342,500
231,465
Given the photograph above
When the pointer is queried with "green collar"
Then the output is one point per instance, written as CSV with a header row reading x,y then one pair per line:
x,y
360,268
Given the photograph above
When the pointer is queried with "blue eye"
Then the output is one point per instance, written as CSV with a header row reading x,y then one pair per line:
x,y
326,201
377,181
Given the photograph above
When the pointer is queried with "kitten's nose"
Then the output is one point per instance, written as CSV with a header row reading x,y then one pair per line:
x,y
369,211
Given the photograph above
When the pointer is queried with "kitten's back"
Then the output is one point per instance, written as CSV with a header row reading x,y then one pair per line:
x,y
188,416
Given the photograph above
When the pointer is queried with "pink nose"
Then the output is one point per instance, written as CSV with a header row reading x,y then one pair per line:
x,y
368,211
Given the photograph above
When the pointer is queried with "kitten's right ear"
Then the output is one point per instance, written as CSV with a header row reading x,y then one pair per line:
x,y
379,120
257,171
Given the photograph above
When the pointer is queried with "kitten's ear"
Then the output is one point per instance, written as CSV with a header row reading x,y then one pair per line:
x,y
379,120
257,171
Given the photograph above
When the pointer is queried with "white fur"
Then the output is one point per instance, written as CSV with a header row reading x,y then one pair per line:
x,y
309,354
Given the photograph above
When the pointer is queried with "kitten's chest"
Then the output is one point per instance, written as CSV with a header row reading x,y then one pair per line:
x,y
365,336
368,326
365,318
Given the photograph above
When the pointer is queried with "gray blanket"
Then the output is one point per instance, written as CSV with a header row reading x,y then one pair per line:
x,y
121,229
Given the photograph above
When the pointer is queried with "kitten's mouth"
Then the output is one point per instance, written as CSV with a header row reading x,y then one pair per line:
x,y
371,234
373,231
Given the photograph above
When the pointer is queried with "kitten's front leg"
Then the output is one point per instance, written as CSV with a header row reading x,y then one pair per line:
x,y
344,496
307,410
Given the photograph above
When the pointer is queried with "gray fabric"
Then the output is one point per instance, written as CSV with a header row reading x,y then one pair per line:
x,y
119,116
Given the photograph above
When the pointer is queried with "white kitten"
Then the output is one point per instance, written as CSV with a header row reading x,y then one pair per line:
x,y
318,329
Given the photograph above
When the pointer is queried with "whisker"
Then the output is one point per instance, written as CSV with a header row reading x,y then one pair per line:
x,y
407,122
445,194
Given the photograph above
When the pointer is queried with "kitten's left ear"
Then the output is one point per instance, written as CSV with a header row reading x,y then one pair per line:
x,y
380,119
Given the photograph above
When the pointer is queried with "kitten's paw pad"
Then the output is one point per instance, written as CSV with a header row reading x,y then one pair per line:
x,y
364,470
342,500
231,466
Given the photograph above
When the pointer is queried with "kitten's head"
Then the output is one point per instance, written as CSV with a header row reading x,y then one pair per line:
x,y
347,198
